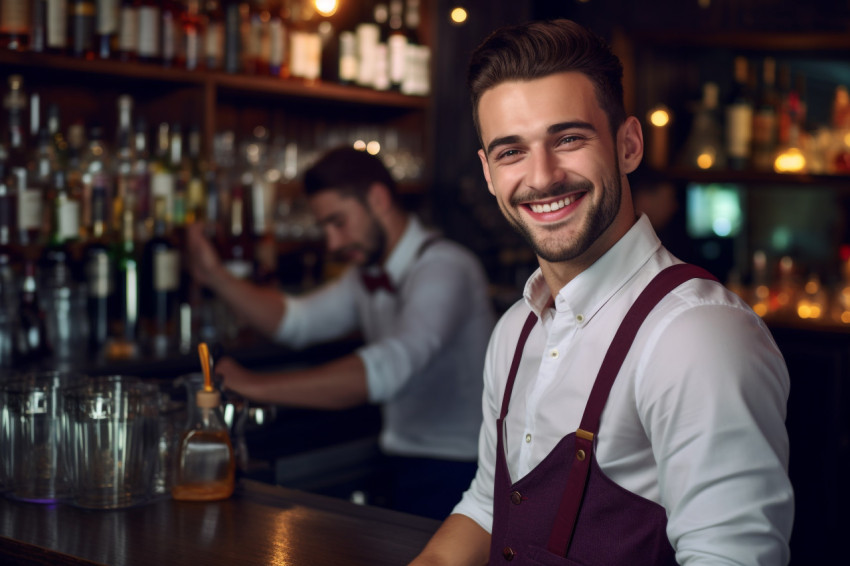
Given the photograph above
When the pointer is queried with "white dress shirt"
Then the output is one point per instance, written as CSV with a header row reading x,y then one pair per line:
x,y
695,420
425,344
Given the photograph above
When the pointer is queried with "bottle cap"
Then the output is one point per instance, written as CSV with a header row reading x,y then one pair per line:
x,y
207,399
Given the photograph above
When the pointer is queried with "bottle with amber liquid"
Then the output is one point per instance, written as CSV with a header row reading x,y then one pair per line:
x,y
99,272
206,463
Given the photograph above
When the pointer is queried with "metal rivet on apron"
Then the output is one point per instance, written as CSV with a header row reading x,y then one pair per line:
x,y
580,455
516,498
508,553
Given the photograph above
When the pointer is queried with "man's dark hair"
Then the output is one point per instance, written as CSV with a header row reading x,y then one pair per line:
x,y
538,49
348,171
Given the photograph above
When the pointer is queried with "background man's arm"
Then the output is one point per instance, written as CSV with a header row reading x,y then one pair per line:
x,y
459,541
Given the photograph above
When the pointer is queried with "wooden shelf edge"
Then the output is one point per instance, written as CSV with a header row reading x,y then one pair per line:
x,y
223,82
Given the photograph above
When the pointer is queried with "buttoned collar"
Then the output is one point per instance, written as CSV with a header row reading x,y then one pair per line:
x,y
404,253
592,288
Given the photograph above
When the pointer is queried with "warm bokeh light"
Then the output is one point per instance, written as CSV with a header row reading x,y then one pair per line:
x,y
458,15
373,147
791,160
705,160
326,7
659,117
359,145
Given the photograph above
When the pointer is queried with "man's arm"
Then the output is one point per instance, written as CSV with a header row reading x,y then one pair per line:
x,y
260,307
459,541
339,384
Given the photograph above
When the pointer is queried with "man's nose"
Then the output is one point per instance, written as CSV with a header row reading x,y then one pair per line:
x,y
543,170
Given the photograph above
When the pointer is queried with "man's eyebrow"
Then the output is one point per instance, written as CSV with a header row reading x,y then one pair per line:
x,y
553,129
331,218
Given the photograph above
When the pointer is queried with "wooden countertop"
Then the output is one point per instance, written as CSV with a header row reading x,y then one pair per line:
x,y
261,524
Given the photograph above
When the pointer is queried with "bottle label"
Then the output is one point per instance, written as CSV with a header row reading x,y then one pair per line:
x,y
57,24
14,16
128,38
148,31
29,209
277,43
397,57
162,185
191,47
213,40
169,36
107,17
99,275
166,270
69,220
739,124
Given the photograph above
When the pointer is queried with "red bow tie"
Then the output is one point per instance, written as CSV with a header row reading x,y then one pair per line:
x,y
373,282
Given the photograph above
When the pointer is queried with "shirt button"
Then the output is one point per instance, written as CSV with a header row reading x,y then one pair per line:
x,y
579,318
528,437
508,553
554,353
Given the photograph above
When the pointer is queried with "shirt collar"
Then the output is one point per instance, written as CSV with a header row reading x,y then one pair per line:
x,y
404,253
592,288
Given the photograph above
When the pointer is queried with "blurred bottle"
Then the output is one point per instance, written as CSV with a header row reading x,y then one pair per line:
x,y
232,59
417,76
160,270
15,24
765,118
99,271
106,28
192,36
96,168
739,117
142,180
81,28
150,31
56,35
397,44
840,124
171,30
10,266
194,172
38,38
213,35
305,42
124,195
254,33
128,31
236,244
125,312
31,344
163,169
704,146
278,40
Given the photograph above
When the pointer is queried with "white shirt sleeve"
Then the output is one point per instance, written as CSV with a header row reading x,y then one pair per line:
x,y
712,402
432,300
324,314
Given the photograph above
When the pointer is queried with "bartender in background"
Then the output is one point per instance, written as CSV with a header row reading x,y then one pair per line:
x,y
420,302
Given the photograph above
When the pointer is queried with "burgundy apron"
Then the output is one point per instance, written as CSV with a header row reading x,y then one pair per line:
x,y
566,511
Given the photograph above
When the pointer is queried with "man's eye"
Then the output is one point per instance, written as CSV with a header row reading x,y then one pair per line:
x,y
566,140
507,153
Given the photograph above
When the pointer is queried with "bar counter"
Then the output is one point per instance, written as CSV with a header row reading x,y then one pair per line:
x,y
260,524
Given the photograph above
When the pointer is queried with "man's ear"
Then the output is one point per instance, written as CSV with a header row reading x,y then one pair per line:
x,y
378,197
486,168
630,145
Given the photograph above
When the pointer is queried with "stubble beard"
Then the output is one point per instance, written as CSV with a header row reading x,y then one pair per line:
x,y
599,217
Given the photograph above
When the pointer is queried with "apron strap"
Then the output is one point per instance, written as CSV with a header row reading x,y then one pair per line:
x,y
509,386
667,280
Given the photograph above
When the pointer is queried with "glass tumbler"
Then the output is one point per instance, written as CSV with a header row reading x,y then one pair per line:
x,y
37,423
112,438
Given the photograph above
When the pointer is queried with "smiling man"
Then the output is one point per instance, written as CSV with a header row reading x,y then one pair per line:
x,y
633,407
421,304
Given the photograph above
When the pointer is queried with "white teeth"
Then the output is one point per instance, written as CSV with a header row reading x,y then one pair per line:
x,y
552,207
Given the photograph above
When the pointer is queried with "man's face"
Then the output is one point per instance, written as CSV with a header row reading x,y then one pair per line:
x,y
353,234
550,161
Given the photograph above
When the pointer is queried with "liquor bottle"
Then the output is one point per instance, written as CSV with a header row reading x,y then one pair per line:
x,y
236,245
75,168
232,59
739,117
10,266
213,35
253,31
142,181
160,271
278,40
163,174
305,43
31,345
171,30
192,36
96,167
150,31
38,39
195,182
124,322
765,118
57,26
81,26
99,271
397,44
125,193
57,140
704,148
15,25
128,31
59,281
106,28
347,57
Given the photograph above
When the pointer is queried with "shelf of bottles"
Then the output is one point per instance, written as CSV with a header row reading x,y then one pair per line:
x,y
94,209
